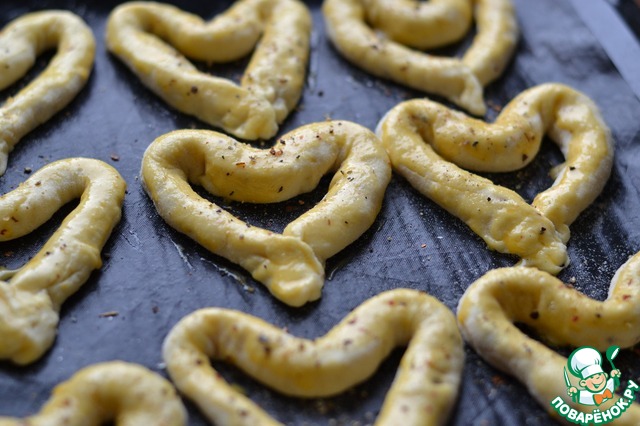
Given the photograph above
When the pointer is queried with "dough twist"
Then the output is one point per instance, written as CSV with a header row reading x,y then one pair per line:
x,y
422,137
31,298
422,393
119,392
290,264
271,85
560,314
21,41
426,25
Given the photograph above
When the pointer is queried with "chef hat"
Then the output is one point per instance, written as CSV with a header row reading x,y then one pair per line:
x,y
585,362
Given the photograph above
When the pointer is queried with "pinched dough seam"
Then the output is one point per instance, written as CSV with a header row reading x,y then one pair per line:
x,y
423,392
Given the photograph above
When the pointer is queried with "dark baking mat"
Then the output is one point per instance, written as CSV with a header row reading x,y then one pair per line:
x,y
153,276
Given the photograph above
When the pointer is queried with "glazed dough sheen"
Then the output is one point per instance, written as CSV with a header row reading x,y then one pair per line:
x,y
424,139
426,25
271,85
31,298
290,264
122,393
561,315
423,392
20,43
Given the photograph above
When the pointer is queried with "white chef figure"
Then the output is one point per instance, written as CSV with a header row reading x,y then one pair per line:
x,y
586,364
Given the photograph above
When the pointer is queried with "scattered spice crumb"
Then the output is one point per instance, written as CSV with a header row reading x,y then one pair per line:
x,y
109,314
115,157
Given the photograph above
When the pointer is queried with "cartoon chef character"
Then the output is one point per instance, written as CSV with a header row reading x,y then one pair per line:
x,y
586,364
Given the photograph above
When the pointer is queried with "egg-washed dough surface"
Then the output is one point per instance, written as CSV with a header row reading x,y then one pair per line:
x,y
116,391
431,145
422,393
291,264
31,295
151,37
116,116
21,42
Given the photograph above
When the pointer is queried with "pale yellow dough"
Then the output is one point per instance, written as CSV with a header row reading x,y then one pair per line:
x,y
423,392
142,34
30,297
426,25
560,314
21,41
119,392
291,264
424,139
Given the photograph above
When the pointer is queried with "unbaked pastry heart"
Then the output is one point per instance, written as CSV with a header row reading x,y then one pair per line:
x,y
560,314
116,391
290,264
423,392
271,85
20,43
30,297
422,25
422,137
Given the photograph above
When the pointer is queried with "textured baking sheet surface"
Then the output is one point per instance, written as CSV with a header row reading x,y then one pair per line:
x,y
153,276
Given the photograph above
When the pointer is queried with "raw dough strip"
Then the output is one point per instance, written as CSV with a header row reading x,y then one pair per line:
x,y
422,137
421,25
119,392
561,315
31,298
291,264
270,87
21,41
423,392
460,81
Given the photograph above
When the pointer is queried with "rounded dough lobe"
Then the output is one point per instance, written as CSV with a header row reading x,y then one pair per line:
x,y
426,25
119,392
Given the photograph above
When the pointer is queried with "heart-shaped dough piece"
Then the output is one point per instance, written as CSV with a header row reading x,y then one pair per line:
x,y
423,25
138,34
21,41
560,314
119,392
30,297
423,392
424,139
290,264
